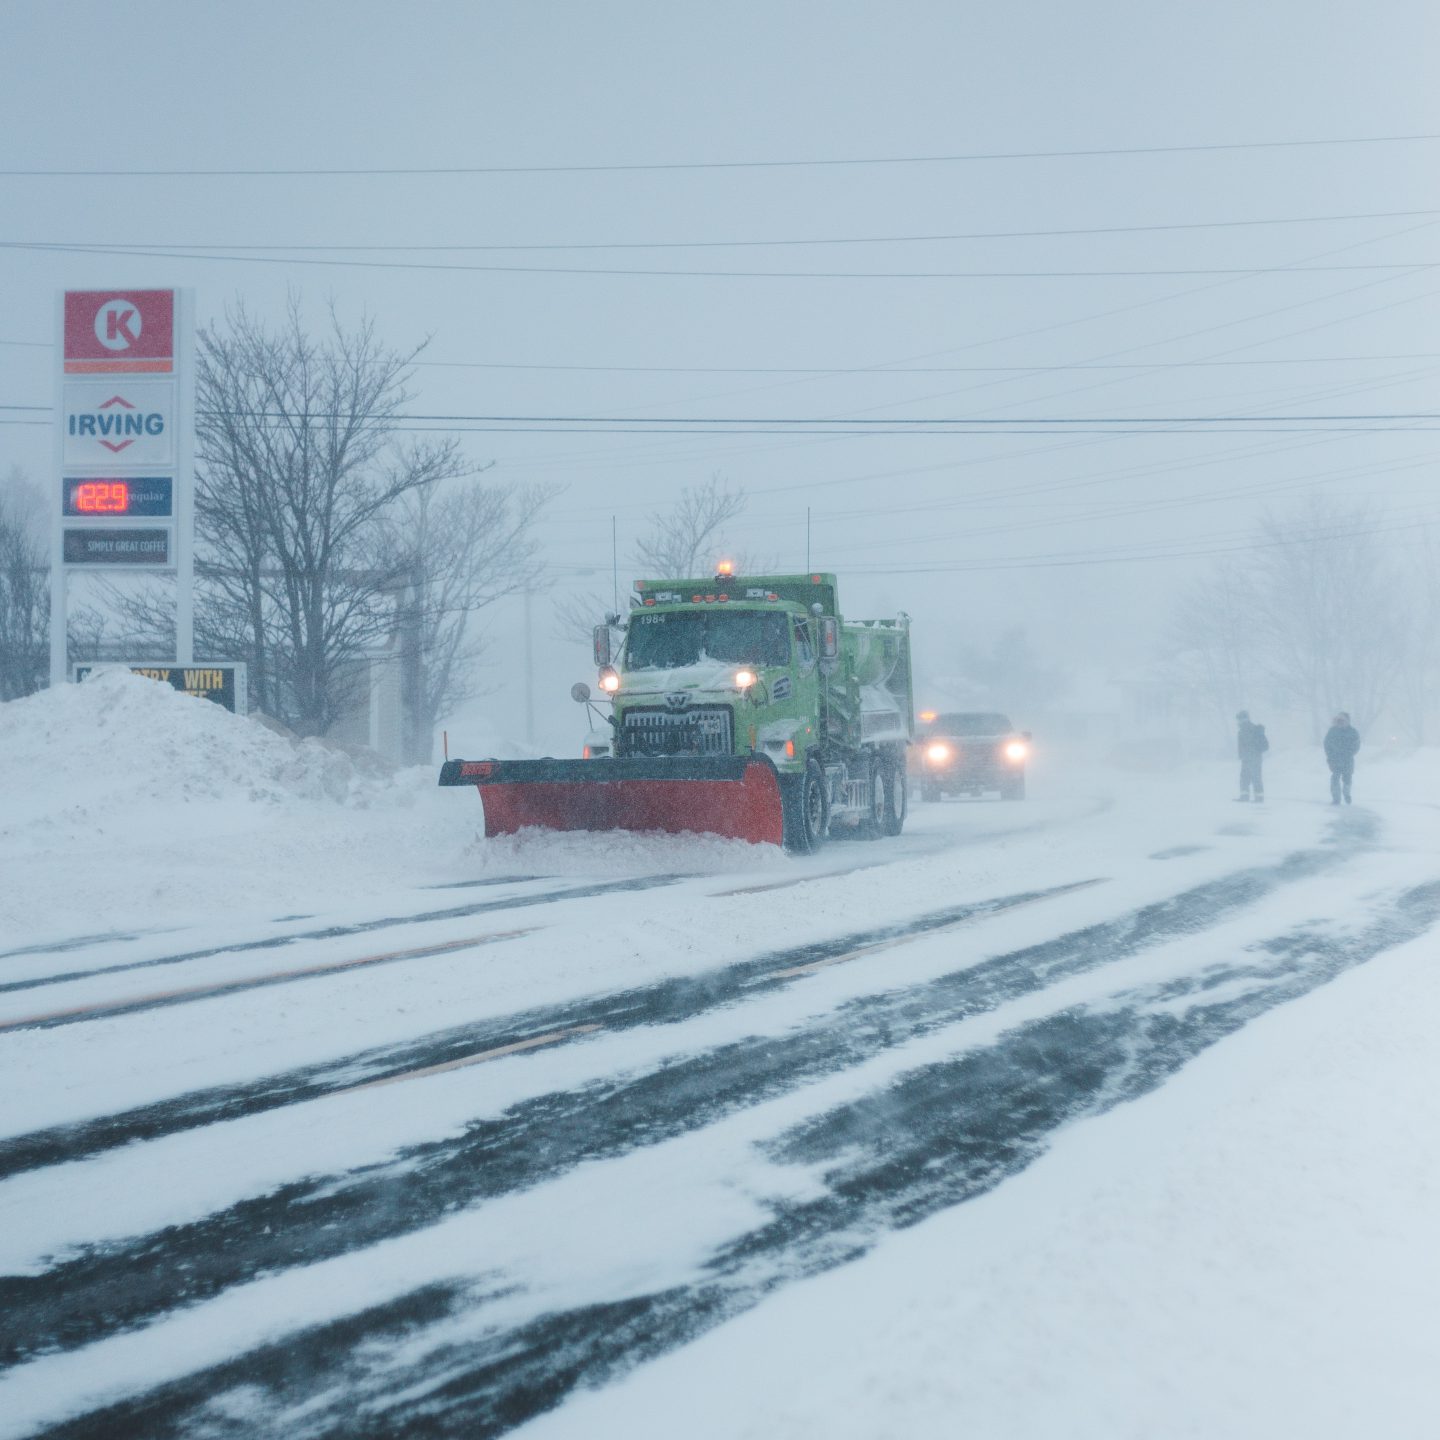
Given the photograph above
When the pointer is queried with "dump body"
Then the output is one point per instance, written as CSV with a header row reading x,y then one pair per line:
x,y
810,715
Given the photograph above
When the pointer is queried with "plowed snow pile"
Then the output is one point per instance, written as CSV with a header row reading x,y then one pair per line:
x,y
126,803
130,742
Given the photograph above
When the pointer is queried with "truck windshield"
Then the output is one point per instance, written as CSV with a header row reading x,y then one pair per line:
x,y
671,639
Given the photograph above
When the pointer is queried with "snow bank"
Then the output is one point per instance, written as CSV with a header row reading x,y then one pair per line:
x,y
127,803
120,742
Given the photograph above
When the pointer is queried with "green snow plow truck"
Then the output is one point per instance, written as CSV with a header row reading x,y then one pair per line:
x,y
742,706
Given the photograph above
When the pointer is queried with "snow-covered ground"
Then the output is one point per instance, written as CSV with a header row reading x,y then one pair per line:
x,y
1172,1053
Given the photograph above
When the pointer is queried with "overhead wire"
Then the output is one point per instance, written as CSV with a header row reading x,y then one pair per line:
x,y
785,241
636,272
959,157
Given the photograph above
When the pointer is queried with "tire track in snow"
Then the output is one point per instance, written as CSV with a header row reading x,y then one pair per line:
x,y
363,927
541,1138
672,1000
938,1136
187,995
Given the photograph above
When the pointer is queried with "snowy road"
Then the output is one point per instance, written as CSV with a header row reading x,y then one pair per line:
x,y
427,1166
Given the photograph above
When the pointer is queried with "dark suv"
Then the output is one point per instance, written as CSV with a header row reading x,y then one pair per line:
x,y
969,752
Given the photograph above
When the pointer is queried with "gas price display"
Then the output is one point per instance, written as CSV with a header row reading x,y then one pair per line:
x,y
149,497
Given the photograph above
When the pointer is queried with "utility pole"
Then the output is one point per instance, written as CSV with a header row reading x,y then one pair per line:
x,y
529,672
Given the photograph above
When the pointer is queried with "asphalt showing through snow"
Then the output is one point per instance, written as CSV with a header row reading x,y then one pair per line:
x,y
668,1001
332,932
936,1136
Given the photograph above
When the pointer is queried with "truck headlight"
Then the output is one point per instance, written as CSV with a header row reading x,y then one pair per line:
x,y
609,680
1016,750
938,753
744,679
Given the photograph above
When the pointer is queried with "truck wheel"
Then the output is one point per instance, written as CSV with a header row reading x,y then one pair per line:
x,y
930,793
897,798
872,824
806,811
1014,788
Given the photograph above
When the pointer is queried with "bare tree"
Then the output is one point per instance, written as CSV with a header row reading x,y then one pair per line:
x,y
1418,690
1213,642
24,589
683,542
1312,618
458,553
298,463
1325,612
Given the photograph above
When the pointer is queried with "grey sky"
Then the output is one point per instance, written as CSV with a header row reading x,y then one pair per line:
x,y
156,86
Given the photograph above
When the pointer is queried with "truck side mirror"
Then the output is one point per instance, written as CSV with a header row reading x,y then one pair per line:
x,y
602,645
829,637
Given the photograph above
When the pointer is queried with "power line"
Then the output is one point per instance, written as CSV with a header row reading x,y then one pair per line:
x,y
964,157
1035,367
1056,560
861,423
169,245
884,429
636,272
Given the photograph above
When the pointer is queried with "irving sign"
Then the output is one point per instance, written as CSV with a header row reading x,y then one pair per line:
x,y
119,424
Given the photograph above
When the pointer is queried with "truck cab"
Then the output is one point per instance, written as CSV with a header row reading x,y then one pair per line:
x,y
765,666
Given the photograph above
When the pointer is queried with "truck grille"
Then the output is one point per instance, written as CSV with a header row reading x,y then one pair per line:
x,y
705,730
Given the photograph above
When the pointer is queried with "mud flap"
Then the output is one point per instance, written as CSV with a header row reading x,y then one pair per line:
x,y
737,796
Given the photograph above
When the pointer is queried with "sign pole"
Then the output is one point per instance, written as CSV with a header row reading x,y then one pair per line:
x,y
59,578
185,480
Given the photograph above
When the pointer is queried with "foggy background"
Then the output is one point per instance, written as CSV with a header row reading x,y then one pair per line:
x,y
616,227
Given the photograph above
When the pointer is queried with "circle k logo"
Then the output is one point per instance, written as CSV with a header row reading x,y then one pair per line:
x,y
117,324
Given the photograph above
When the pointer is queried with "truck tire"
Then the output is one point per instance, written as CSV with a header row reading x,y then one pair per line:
x,y
806,810
897,797
1013,788
872,824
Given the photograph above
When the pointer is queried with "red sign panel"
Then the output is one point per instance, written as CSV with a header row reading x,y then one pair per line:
x,y
125,331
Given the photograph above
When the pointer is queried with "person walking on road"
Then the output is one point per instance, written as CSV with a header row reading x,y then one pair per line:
x,y
1342,740
1252,745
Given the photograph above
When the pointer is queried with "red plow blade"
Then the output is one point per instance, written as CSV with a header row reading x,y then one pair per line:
x,y
737,796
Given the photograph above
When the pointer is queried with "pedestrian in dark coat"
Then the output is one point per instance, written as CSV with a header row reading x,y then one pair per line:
x,y
1342,740
1252,745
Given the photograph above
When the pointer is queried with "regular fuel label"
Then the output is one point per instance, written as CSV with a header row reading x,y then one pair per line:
x,y
149,497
